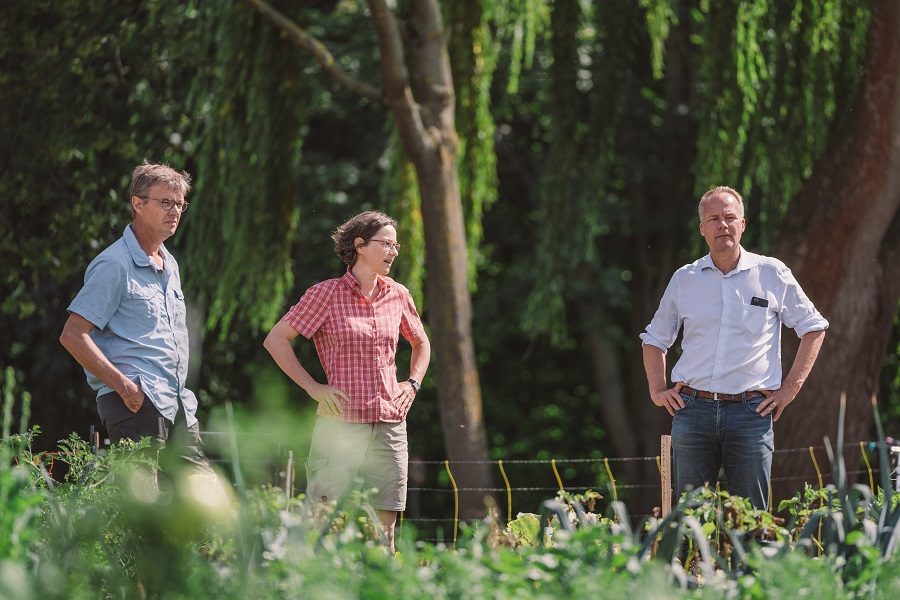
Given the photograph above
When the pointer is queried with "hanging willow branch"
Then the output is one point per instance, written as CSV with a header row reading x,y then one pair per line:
x,y
317,49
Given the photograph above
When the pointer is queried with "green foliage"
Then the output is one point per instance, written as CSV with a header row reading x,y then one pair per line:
x,y
591,213
249,121
519,23
399,191
769,105
20,499
117,526
89,90
660,15
526,528
473,58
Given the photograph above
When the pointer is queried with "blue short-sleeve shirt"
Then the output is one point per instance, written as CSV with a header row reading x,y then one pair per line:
x,y
139,313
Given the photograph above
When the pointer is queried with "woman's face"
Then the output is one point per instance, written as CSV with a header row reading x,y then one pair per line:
x,y
378,254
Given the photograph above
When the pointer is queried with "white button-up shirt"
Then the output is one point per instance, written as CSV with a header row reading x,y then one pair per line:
x,y
732,322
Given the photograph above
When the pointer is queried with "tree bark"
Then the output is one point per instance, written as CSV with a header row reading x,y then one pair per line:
x,y
842,240
423,106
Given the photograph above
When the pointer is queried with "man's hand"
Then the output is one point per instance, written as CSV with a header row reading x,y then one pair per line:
x,y
777,401
406,397
330,398
132,396
669,399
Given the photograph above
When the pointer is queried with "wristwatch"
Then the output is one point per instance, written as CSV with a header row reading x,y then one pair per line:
x,y
416,385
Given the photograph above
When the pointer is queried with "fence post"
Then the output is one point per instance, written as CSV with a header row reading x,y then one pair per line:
x,y
665,473
895,450
289,476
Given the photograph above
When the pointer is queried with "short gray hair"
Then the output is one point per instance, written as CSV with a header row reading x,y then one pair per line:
x,y
720,189
146,175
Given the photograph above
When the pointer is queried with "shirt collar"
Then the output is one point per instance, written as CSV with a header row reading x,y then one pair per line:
x,y
138,255
746,260
351,282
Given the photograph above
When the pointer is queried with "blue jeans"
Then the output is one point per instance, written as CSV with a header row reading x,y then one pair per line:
x,y
709,434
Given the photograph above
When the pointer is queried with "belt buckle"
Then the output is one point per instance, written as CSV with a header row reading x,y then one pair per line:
x,y
716,396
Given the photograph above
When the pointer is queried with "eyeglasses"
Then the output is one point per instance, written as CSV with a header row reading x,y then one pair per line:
x,y
388,245
168,204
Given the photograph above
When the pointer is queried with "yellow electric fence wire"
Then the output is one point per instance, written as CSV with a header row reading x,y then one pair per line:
x,y
556,472
812,455
868,467
659,464
612,480
718,511
508,491
455,500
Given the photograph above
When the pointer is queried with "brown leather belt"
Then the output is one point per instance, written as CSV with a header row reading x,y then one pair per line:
x,y
717,396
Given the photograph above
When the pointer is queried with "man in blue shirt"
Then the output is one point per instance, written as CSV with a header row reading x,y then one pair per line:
x,y
727,383
127,327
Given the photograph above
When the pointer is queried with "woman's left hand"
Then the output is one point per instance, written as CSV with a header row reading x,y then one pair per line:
x,y
406,397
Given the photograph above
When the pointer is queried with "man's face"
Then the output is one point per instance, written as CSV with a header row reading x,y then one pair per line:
x,y
722,222
152,213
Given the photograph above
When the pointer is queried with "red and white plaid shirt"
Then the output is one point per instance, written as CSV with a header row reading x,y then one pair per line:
x,y
356,340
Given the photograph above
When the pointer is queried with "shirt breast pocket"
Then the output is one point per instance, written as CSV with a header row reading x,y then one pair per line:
x,y
755,318
147,304
354,331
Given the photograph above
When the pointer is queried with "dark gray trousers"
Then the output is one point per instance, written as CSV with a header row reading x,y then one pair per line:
x,y
122,424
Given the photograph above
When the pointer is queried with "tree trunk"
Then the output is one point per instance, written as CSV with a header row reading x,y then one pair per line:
x,y
841,238
418,90
423,106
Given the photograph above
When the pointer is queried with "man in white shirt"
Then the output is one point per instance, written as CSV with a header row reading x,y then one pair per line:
x,y
727,384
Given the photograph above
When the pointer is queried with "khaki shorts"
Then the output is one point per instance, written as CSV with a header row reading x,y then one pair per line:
x,y
376,453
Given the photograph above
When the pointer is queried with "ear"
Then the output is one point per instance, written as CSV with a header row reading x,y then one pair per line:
x,y
358,242
137,204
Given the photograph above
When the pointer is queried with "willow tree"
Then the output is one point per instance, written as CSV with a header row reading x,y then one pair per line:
x,y
417,90
653,103
841,235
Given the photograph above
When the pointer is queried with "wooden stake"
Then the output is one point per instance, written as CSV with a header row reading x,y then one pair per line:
x,y
289,475
665,473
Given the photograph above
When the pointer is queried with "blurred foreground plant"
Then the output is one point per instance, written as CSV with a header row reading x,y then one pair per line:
x,y
117,527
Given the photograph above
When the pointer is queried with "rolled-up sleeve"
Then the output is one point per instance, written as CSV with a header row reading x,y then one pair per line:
x,y
663,329
797,310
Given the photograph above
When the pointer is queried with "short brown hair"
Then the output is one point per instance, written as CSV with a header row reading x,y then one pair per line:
x,y
364,225
146,175
720,189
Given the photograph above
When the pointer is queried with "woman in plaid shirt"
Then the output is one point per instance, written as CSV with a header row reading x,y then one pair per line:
x,y
355,322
